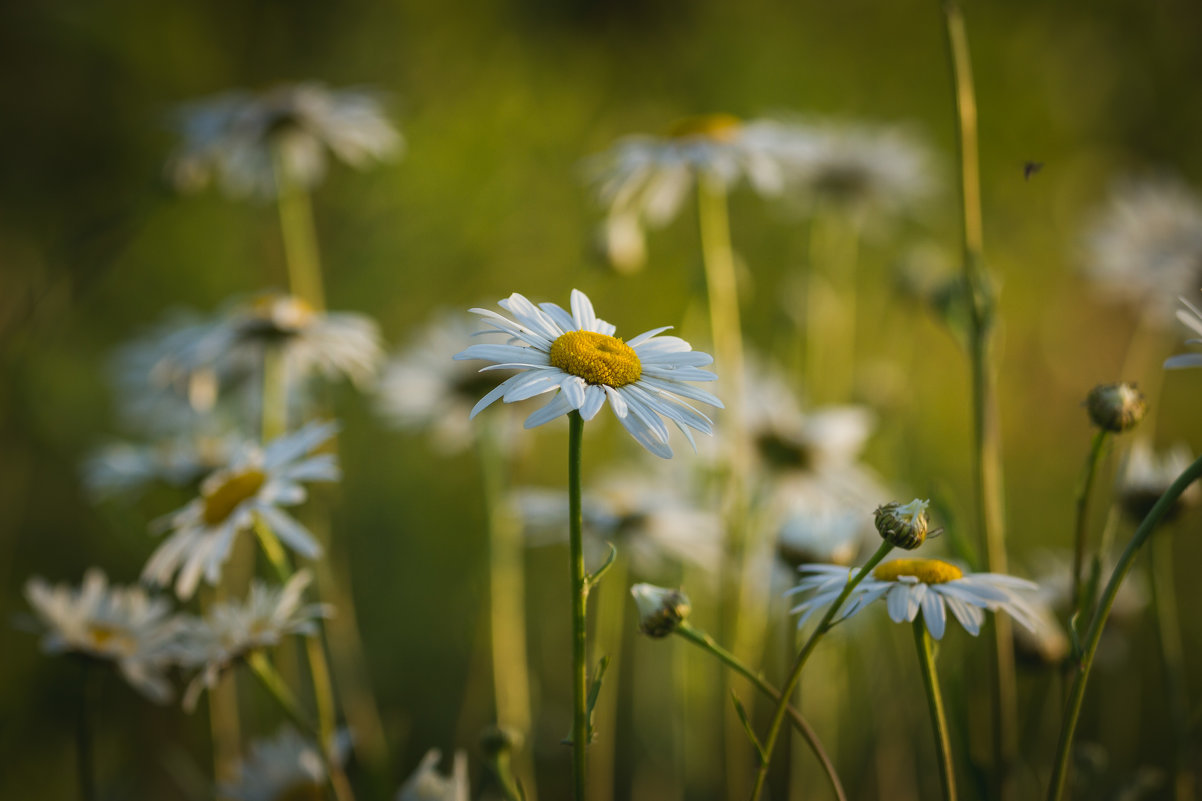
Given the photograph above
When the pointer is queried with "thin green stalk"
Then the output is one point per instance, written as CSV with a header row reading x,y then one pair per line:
x,y
1077,693
1163,604
579,590
85,757
930,680
609,633
273,408
703,639
507,594
987,467
224,724
1081,536
824,625
300,239
277,688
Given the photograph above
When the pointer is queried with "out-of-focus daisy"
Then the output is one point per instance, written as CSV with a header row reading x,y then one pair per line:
x,y
1145,248
123,625
1146,475
577,357
125,468
831,534
427,784
1191,315
232,630
646,179
286,767
310,342
243,140
930,586
649,517
424,389
255,483
861,169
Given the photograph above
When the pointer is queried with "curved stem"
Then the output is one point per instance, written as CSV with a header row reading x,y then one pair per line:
x,y
1081,536
1076,697
277,688
579,604
986,428
824,626
703,639
930,680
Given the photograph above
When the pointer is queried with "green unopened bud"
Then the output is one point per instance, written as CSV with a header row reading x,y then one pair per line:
x,y
1116,407
903,525
660,610
498,740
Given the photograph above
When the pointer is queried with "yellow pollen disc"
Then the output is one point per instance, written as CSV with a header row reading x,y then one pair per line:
x,y
597,358
284,312
718,127
222,501
109,638
928,571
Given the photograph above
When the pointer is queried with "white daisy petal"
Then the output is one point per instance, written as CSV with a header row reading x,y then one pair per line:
x,y
556,407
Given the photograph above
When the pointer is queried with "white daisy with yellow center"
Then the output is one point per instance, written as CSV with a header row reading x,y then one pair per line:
x,y
121,624
234,629
929,586
577,357
254,484
286,767
1191,316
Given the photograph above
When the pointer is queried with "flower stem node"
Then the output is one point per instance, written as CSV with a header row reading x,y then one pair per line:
x,y
1116,407
903,525
660,610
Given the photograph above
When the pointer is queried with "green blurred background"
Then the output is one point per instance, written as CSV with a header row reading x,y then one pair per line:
x,y
499,102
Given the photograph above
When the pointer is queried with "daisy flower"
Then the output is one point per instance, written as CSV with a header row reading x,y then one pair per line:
x,y
126,468
930,586
427,784
1146,475
424,389
861,168
287,767
647,178
243,140
255,484
577,357
123,625
1145,248
230,631
1191,316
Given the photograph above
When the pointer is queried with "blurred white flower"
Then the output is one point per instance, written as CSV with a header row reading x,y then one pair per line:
x,y
1191,316
286,767
645,180
126,468
861,169
650,517
231,630
427,784
577,357
1146,474
424,389
930,586
120,624
239,139
255,484
1145,247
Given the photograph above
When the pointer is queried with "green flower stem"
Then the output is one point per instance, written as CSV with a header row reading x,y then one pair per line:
x,y
824,625
579,605
1081,537
1077,692
930,680
507,593
277,688
85,756
609,632
707,643
1172,661
273,411
987,473
225,729
300,239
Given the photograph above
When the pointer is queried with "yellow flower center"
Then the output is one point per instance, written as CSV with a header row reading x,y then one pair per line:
x,y
928,571
597,358
717,127
271,313
225,498
104,637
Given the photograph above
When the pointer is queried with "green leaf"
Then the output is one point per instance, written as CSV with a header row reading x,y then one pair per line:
x,y
746,721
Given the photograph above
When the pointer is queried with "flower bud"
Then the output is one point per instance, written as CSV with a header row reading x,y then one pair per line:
x,y
1116,407
660,610
903,525
496,741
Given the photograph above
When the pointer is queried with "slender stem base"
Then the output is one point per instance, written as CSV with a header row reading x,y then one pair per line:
x,y
579,589
1081,536
930,680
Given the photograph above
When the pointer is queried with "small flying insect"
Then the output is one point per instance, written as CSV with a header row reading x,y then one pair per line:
x,y
1030,168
